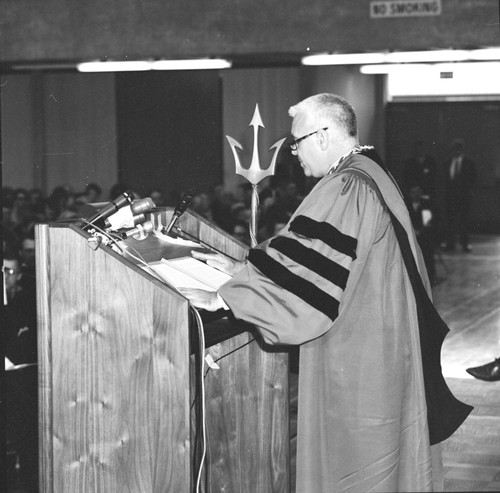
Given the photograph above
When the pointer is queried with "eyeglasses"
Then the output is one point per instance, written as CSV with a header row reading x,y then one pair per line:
x,y
8,271
294,145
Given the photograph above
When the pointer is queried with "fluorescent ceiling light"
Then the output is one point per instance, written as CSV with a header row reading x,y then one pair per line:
x,y
195,64
127,66
485,54
343,59
426,56
429,56
143,65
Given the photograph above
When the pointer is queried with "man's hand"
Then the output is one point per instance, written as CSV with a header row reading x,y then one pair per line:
x,y
219,262
199,298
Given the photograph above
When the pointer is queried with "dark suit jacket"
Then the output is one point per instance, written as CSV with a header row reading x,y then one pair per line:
x,y
464,180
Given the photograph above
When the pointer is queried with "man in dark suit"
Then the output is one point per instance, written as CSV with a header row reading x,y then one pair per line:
x,y
21,380
420,169
459,178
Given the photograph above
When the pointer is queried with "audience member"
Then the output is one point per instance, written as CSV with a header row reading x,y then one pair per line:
x,y
61,204
241,212
222,202
241,232
288,170
20,206
422,215
27,255
20,336
91,195
38,204
459,178
116,190
201,204
245,192
20,311
157,196
420,170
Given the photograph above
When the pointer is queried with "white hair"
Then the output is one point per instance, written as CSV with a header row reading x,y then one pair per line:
x,y
325,109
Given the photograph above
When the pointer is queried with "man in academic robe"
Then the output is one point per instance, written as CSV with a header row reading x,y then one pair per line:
x,y
334,281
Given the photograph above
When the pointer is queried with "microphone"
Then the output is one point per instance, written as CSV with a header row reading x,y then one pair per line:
x,y
181,207
122,200
140,232
128,217
142,205
138,219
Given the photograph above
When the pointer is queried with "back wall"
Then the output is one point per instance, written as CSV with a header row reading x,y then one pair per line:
x,y
128,29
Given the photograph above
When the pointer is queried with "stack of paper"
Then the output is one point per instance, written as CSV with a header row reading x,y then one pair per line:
x,y
188,272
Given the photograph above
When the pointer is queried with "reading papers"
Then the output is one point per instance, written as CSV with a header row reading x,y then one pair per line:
x,y
188,272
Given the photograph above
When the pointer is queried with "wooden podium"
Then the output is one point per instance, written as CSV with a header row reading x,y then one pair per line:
x,y
118,371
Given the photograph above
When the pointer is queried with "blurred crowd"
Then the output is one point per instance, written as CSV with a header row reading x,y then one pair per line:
x,y
21,210
230,210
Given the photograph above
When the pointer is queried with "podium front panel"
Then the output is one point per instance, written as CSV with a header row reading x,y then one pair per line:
x,y
117,378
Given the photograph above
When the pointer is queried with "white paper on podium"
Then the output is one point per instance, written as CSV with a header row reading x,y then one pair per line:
x,y
188,272
176,241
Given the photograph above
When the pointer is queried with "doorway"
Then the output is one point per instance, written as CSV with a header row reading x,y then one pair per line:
x,y
437,124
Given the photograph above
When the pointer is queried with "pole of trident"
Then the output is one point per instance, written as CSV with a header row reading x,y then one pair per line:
x,y
254,174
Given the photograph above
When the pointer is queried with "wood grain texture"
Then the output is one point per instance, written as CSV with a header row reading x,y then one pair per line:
x,y
45,459
118,363
247,418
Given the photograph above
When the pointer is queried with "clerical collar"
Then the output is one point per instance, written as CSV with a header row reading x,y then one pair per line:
x,y
355,150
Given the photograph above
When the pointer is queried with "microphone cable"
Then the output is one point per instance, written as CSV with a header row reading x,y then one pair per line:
x,y
229,353
202,426
112,237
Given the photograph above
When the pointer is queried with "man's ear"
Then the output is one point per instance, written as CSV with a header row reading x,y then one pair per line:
x,y
323,140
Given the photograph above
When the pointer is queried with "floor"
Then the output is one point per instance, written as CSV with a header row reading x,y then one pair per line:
x,y
469,301
467,297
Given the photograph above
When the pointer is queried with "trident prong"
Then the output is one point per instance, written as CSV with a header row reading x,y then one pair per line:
x,y
254,174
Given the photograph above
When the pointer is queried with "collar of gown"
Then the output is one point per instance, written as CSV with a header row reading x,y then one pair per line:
x,y
355,150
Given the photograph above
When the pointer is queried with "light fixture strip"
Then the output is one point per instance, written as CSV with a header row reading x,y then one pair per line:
x,y
144,65
429,56
114,66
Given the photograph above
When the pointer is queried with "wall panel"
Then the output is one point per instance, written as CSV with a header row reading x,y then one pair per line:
x,y
80,130
169,131
19,159
71,29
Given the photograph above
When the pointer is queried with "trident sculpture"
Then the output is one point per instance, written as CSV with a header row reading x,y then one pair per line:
x,y
254,174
